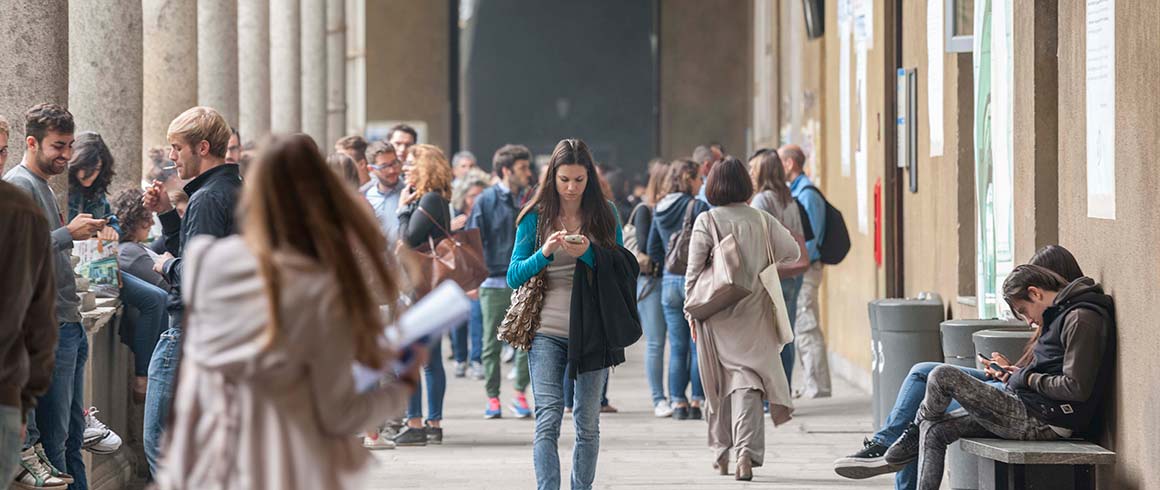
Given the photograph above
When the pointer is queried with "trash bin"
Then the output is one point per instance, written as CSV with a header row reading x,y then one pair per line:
x,y
1006,341
903,332
959,350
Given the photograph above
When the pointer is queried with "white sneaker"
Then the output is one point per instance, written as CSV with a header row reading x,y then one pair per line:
x,y
34,475
662,409
378,442
99,439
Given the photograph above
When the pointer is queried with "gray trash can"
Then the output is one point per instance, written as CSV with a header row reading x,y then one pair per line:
x,y
1006,341
907,334
959,350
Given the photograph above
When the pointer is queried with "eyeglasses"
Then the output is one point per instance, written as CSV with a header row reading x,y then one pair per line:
x,y
394,164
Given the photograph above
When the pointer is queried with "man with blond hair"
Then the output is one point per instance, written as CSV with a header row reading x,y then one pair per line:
x,y
198,143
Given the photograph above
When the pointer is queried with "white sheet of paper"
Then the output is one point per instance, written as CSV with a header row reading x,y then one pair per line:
x,y
844,95
1101,108
441,310
861,172
934,74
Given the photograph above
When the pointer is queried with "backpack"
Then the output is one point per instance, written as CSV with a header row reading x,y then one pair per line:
x,y
807,228
677,257
629,231
835,237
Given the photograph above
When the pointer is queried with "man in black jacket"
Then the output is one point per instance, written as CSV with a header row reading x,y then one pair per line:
x,y
198,140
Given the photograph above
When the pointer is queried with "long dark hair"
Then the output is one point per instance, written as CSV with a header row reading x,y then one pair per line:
x,y
91,154
770,174
1059,260
596,213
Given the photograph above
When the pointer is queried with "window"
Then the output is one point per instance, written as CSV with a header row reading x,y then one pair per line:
x,y
960,25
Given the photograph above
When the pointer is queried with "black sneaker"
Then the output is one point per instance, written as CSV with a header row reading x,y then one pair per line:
x,y
905,450
868,462
681,413
695,413
411,437
434,435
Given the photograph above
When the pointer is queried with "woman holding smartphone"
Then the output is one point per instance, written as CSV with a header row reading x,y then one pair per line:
x,y
571,231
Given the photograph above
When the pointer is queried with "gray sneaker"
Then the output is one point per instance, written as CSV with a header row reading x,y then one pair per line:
x,y
460,369
905,450
475,371
434,435
412,437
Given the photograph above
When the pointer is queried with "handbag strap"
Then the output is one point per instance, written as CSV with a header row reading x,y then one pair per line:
x,y
765,234
434,221
689,213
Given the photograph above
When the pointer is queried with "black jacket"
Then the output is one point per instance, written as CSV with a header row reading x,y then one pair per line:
x,y
415,226
604,320
213,198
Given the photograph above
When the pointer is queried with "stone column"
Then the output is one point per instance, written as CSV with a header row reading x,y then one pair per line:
x,y
170,66
285,67
314,95
35,63
336,70
254,69
105,77
217,56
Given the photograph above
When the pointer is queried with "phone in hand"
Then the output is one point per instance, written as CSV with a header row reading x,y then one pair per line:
x,y
987,361
575,239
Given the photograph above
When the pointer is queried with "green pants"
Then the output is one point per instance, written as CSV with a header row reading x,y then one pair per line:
x,y
495,302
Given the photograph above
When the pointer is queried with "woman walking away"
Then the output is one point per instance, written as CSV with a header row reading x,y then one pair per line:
x,y
424,218
277,316
1055,396
571,234
675,212
737,345
773,196
648,288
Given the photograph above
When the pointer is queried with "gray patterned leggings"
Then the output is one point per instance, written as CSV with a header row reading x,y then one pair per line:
x,y
987,412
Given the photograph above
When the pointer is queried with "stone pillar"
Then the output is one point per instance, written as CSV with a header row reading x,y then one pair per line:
x,y
35,61
254,69
285,67
170,66
336,70
105,77
217,56
314,67
1036,120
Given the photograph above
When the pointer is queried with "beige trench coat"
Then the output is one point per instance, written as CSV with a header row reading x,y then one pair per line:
x,y
252,417
738,348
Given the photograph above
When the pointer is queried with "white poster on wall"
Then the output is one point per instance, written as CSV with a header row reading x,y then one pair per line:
x,y
1101,108
934,74
863,14
844,95
861,172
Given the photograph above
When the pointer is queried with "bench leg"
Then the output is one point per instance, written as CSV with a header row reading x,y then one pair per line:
x,y
1001,476
1085,477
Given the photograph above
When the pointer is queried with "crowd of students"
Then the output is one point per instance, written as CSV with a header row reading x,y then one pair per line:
x,y
276,267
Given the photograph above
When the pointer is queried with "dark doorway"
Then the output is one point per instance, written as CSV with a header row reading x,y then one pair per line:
x,y
537,71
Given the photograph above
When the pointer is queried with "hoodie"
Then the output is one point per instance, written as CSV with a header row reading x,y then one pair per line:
x,y
668,219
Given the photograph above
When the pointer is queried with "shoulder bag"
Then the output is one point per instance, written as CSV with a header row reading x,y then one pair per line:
x,y
722,283
522,319
457,256
677,257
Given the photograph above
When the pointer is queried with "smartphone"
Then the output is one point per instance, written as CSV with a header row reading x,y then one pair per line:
x,y
577,239
990,363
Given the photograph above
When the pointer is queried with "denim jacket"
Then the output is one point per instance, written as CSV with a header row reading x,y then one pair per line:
x,y
494,214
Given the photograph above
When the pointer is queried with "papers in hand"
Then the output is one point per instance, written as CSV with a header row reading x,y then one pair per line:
x,y
441,310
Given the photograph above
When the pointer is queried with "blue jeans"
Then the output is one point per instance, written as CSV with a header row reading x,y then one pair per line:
x,y
789,291
473,329
547,362
682,350
151,318
652,320
910,395
59,423
436,387
159,394
10,442
570,392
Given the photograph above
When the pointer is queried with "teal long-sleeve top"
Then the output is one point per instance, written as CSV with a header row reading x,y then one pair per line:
x,y
527,260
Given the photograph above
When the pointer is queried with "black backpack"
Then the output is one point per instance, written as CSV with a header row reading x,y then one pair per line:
x,y
835,238
807,228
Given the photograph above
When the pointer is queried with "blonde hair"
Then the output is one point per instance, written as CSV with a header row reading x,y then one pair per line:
x,y
202,124
5,129
293,202
432,173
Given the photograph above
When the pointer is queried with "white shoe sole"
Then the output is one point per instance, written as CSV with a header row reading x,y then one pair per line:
x,y
862,468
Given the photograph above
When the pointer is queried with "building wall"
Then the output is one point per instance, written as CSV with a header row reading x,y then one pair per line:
x,y
407,65
705,72
1120,253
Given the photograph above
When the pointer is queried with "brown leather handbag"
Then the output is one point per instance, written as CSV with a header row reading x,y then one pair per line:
x,y
457,257
522,319
723,282
677,258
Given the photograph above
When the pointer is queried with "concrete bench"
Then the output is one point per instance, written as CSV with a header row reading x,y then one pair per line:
x,y
1036,464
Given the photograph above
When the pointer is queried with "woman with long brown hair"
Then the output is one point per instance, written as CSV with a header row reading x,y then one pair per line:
x,y
648,290
424,219
276,317
569,230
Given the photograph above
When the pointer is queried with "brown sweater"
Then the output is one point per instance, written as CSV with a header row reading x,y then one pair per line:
x,y
28,328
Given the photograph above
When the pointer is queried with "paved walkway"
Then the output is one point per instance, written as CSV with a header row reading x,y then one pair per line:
x,y
637,450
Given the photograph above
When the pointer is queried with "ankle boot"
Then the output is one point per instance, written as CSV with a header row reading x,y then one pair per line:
x,y
744,469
